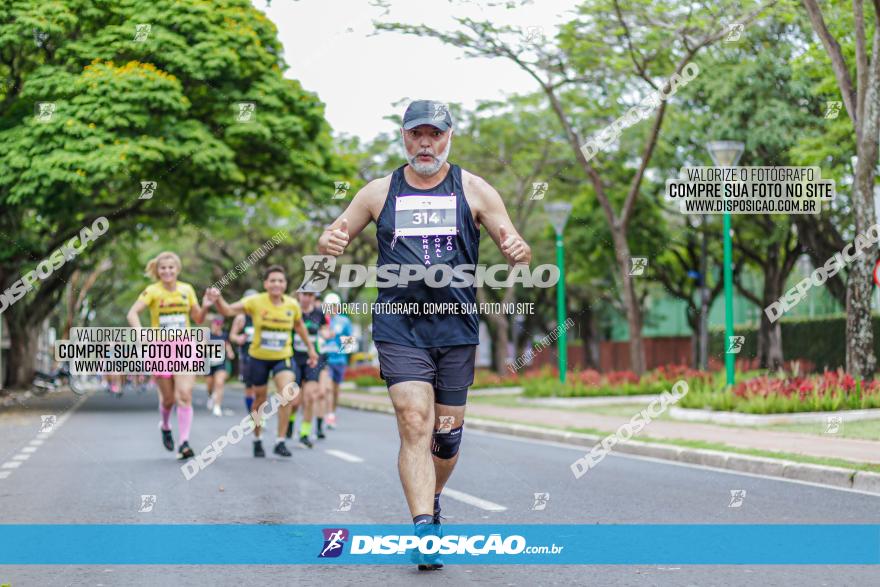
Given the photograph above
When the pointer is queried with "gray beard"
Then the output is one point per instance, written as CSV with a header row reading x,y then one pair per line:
x,y
428,169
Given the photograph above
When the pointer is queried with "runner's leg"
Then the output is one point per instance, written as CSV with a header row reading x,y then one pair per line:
x,y
414,408
324,399
310,394
282,380
166,400
183,385
219,382
165,390
443,467
259,399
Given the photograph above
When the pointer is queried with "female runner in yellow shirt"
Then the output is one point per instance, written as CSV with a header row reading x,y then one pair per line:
x,y
172,304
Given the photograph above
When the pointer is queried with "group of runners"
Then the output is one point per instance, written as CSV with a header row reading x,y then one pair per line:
x,y
426,211
285,339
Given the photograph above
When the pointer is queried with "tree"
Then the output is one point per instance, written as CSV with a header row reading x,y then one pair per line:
x,y
861,98
759,99
515,146
198,105
603,58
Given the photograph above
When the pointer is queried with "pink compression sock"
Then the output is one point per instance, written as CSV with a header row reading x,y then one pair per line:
x,y
166,415
184,421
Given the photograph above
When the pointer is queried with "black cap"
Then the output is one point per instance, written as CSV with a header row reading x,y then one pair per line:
x,y
427,112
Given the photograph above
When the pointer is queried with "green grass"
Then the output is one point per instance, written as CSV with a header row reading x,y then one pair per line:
x,y
699,444
727,401
861,429
510,401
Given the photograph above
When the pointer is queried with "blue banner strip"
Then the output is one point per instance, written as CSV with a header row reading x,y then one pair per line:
x,y
223,544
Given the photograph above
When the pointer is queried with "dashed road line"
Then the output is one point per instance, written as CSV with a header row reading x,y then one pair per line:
x,y
28,451
345,456
473,500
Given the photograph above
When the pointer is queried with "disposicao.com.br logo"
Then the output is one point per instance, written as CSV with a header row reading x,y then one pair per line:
x,y
451,544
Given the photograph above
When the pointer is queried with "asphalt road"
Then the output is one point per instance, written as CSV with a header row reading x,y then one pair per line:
x,y
105,453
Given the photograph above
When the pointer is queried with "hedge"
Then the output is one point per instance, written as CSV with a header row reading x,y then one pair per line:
x,y
821,341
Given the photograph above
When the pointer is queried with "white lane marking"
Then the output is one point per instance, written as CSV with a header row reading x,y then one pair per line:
x,y
473,500
39,439
339,454
582,449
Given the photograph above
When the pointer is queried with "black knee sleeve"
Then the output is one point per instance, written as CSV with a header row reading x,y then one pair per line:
x,y
446,444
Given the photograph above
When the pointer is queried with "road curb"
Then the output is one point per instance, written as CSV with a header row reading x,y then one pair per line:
x,y
819,474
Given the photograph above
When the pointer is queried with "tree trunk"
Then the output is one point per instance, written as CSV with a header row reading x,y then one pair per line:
x,y
498,329
774,350
860,360
861,100
23,338
769,333
630,301
588,337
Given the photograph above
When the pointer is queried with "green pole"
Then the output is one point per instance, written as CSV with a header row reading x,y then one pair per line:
x,y
560,309
728,299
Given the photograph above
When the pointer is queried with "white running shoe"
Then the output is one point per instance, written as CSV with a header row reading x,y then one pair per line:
x,y
218,411
210,403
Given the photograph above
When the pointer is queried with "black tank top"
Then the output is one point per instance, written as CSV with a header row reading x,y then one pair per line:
x,y
451,238
248,324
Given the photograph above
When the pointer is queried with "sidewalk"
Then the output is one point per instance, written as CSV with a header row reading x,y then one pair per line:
x,y
858,451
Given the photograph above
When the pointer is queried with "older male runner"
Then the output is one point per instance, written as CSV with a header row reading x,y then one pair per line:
x,y
427,213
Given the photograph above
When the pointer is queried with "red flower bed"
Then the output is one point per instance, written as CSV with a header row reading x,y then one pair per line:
x,y
676,372
829,382
361,371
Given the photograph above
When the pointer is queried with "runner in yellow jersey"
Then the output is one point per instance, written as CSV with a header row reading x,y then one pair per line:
x,y
274,315
172,304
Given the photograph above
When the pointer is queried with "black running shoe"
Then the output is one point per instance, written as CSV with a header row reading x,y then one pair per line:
x,y
185,452
281,449
167,440
258,449
289,433
304,440
321,435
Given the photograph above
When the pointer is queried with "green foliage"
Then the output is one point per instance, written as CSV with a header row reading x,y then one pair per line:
x,y
368,381
162,109
551,387
721,400
821,341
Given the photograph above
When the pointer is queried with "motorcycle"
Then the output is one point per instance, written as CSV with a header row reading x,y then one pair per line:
x,y
44,382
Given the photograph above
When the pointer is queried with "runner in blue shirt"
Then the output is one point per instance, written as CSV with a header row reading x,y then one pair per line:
x,y
338,350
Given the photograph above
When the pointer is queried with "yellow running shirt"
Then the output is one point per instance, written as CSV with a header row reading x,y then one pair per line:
x,y
272,326
169,309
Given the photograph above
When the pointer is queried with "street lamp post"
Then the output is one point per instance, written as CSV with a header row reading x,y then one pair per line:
x,y
727,154
558,213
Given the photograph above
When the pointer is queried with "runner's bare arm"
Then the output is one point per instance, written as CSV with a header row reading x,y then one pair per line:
x,y
197,312
235,332
225,309
300,327
492,214
133,319
364,207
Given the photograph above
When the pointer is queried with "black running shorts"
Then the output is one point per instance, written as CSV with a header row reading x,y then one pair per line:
x,y
449,369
